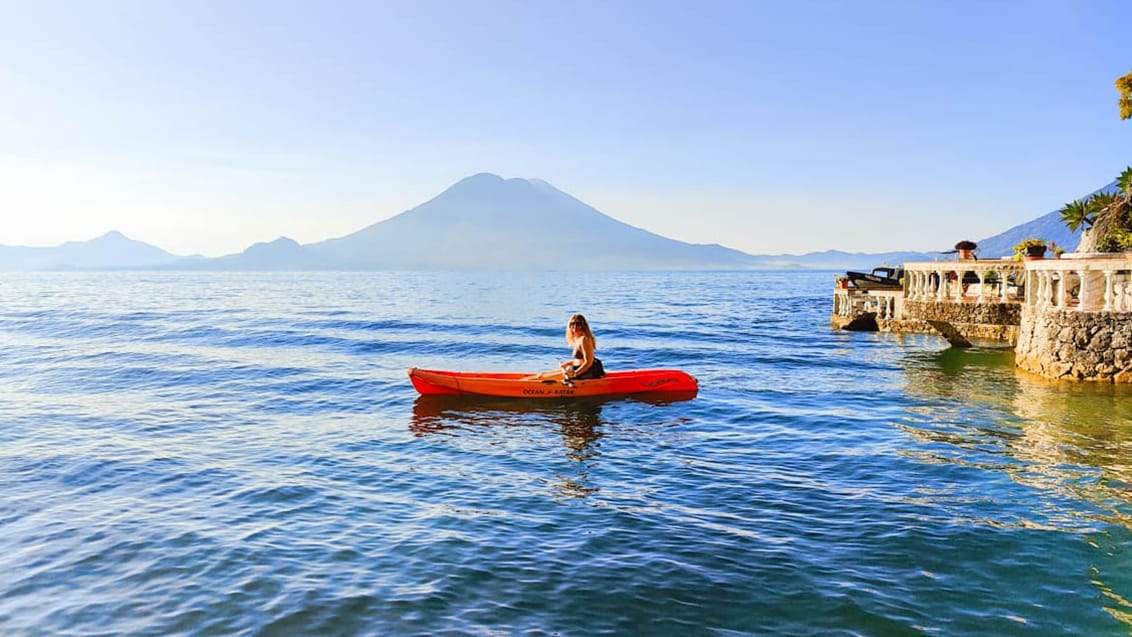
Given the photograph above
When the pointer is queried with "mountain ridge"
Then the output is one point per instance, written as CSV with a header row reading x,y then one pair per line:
x,y
485,221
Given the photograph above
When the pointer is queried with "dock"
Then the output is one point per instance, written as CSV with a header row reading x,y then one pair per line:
x,y
1067,318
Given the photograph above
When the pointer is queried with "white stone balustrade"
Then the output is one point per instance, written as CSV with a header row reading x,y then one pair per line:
x,y
1082,283
1069,318
978,281
1097,283
851,302
887,303
1085,283
845,303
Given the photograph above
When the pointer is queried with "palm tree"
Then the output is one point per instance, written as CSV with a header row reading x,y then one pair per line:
x,y
1076,214
1125,180
1083,212
1114,219
1098,202
1102,214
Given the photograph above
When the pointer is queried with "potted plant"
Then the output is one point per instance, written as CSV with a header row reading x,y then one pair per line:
x,y
1031,248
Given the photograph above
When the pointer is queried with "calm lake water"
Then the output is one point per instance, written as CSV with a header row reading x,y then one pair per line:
x,y
242,454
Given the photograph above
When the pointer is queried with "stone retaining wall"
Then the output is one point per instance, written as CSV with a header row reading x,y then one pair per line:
x,y
1058,343
906,326
980,321
967,318
957,313
971,331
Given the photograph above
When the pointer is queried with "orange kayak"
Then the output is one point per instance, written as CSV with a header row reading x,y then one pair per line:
x,y
431,382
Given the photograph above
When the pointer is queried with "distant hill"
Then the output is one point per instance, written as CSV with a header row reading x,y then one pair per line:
x,y
485,221
838,260
282,254
112,250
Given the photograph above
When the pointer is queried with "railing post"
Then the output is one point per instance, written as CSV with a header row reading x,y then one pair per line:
x,y
1126,295
1108,291
1060,291
1033,292
1083,300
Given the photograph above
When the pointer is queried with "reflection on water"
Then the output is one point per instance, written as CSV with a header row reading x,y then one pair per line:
x,y
1076,445
1078,438
451,414
960,406
963,375
579,421
580,425
1068,439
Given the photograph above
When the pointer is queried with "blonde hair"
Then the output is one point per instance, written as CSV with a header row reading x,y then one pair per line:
x,y
586,331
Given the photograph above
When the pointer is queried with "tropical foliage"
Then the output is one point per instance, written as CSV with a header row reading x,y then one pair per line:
x,y
1083,212
1124,85
1117,241
1113,226
1075,214
1124,181
1106,213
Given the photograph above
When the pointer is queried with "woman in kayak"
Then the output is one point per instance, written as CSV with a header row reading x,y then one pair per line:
x,y
584,364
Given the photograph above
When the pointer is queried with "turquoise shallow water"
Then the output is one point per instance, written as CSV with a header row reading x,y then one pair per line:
x,y
219,454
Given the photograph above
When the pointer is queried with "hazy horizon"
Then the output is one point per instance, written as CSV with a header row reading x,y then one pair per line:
x,y
769,128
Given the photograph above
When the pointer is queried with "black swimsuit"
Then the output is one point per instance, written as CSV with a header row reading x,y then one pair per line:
x,y
595,371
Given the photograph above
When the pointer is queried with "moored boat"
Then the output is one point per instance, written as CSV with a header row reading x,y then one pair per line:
x,y
432,382
880,278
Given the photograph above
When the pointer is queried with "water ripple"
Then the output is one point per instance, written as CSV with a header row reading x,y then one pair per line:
x,y
241,454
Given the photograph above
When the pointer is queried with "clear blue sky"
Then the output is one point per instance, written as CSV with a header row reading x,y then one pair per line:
x,y
784,126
